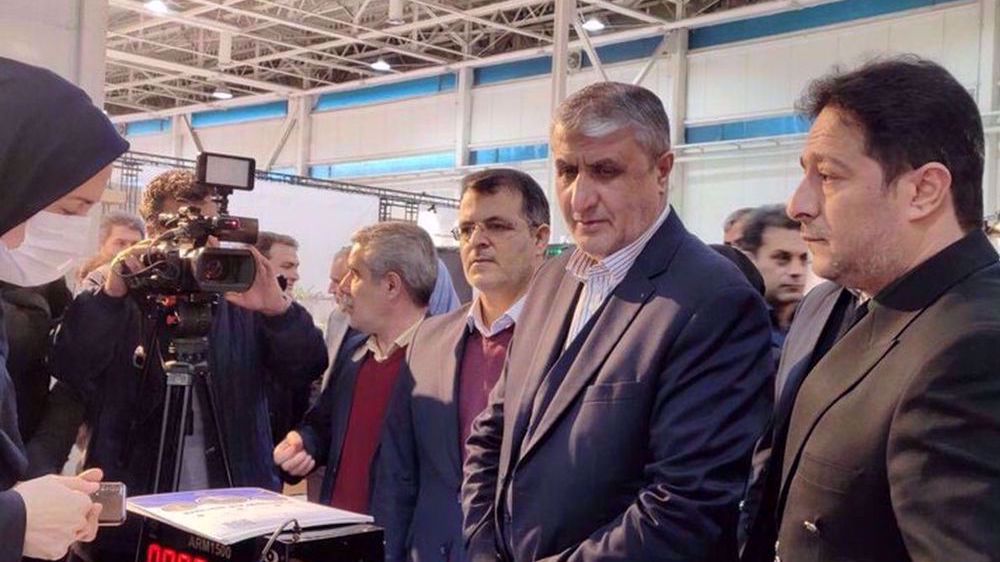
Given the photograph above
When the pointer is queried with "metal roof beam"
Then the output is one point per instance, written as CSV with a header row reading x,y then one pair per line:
x,y
212,25
196,71
405,28
483,21
323,32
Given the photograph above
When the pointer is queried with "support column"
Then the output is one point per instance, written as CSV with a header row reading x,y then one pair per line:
x,y
988,99
303,137
65,36
463,121
564,17
177,129
677,110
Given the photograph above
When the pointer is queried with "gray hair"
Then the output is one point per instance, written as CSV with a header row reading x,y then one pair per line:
x,y
120,218
403,248
342,253
606,107
735,217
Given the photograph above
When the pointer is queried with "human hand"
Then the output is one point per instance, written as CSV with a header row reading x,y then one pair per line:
x,y
265,295
291,455
114,284
59,512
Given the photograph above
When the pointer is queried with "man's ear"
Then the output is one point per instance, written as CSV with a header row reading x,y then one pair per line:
x,y
542,234
927,188
664,164
393,284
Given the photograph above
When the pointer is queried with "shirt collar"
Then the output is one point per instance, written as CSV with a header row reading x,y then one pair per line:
x,y
506,320
585,267
371,344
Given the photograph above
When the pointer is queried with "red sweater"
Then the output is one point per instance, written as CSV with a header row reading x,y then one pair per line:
x,y
482,363
372,391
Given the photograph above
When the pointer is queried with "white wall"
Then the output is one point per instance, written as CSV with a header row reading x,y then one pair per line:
x,y
768,76
518,112
413,126
321,220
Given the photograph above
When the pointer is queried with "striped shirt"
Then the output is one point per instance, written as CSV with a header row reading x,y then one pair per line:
x,y
506,320
600,277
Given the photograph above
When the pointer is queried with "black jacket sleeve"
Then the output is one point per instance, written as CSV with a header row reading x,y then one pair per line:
x,y
86,342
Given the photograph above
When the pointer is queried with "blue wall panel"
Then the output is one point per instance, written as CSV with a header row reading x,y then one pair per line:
x,y
798,20
629,50
274,110
509,154
752,128
511,71
147,127
387,92
382,166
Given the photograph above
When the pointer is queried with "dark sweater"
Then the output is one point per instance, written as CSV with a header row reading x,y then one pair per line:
x,y
481,365
372,392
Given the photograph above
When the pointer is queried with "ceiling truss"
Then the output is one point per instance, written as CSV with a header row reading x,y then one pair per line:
x,y
289,47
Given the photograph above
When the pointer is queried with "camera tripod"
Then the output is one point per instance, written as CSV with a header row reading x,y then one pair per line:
x,y
188,320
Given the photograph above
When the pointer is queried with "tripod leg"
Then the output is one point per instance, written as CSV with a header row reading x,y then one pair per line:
x,y
172,430
181,430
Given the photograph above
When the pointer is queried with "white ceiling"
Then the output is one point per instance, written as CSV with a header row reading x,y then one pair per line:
x,y
267,48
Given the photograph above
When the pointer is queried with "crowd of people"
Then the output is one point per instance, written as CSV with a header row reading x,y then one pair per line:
x,y
642,396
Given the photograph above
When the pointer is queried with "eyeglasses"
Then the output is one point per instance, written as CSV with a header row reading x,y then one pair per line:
x,y
493,229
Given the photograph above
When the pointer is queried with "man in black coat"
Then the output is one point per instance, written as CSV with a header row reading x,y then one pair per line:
x,y
56,150
255,337
890,449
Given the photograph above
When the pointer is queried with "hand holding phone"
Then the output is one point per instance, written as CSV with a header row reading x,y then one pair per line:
x,y
111,496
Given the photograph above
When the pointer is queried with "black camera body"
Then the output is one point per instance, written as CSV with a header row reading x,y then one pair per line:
x,y
179,262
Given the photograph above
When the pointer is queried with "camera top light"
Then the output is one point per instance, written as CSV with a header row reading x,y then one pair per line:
x,y
226,172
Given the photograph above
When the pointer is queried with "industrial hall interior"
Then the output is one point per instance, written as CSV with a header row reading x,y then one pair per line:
x,y
499,281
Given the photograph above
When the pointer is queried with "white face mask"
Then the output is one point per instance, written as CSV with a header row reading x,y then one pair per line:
x,y
52,243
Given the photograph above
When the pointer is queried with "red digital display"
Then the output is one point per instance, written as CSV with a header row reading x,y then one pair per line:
x,y
157,553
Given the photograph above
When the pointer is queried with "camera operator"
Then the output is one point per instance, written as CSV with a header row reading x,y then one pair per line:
x,y
56,151
109,350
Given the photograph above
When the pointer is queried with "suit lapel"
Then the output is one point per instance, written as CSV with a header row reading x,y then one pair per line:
x,y
799,352
837,373
611,322
448,386
609,327
548,349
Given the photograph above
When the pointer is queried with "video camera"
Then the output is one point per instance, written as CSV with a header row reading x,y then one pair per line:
x,y
178,262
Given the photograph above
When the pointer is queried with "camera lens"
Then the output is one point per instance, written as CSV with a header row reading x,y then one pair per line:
x,y
214,269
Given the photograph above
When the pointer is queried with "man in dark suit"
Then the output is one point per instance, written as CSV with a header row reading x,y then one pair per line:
x,y
392,268
639,375
453,363
822,317
889,451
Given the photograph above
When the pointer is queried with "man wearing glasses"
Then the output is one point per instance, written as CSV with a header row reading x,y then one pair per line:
x,y
454,361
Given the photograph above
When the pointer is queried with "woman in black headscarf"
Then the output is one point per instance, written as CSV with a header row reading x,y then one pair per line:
x,y
56,150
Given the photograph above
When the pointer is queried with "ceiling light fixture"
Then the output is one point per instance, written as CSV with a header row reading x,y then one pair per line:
x,y
381,65
222,93
593,24
158,7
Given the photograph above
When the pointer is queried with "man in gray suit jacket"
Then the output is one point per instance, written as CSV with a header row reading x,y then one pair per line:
x,y
453,363
890,450
639,377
